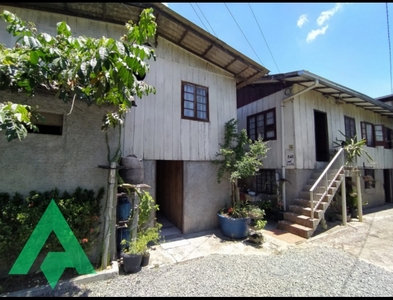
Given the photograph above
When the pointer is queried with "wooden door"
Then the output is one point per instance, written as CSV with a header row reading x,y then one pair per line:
x,y
321,136
169,193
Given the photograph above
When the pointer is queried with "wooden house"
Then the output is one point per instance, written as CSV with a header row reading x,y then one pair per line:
x,y
301,115
176,132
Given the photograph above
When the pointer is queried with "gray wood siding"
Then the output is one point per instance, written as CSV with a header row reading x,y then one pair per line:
x,y
299,127
274,158
155,129
46,22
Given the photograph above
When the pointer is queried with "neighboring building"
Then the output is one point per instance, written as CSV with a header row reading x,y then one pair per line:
x,y
176,139
301,114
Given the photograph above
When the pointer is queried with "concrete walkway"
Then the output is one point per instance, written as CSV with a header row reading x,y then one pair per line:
x,y
370,240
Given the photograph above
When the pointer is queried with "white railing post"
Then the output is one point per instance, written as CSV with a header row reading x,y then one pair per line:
x,y
343,201
312,204
360,202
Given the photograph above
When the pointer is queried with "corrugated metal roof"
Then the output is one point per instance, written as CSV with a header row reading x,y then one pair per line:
x,y
170,26
331,89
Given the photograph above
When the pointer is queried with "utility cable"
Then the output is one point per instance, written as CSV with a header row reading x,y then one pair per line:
x,y
264,38
206,19
243,34
199,17
390,53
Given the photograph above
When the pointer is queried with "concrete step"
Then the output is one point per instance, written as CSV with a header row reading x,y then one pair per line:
x,y
307,203
306,194
301,220
306,211
297,229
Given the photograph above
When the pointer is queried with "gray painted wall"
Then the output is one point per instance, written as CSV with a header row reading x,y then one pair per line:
x,y
42,162
203,196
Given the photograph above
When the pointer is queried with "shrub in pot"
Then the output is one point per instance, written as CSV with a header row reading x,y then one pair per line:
x,y
238,158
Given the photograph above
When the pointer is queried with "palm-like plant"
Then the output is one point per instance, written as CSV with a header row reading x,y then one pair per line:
x,y
353,149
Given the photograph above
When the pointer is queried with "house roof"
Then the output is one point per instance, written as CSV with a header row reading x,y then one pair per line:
x,y
386,98
330,89
170,26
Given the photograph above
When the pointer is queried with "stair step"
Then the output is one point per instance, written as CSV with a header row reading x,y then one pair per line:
x,y
306,195
301,220
306,211
307,203
297,229
298,219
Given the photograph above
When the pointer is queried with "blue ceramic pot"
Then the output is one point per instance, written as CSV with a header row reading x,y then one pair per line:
x,y
234,228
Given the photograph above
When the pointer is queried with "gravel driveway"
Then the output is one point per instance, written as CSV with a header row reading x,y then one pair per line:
x,y
353,261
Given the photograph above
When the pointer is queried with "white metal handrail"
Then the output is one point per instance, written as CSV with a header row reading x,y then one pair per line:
x,y
321,186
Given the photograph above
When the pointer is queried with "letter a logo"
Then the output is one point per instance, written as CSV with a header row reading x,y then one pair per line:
x,y
55,262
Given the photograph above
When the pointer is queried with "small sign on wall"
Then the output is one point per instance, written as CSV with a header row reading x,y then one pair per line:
x,y
290,157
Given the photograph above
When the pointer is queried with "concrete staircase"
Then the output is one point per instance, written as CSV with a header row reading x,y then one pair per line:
x,y
298,219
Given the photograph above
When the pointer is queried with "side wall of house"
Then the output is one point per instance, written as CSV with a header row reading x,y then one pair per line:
x,y
155,130
43,162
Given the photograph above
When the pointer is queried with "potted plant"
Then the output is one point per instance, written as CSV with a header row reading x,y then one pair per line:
x,y
353,149
132,254
147,233
238,158
150,236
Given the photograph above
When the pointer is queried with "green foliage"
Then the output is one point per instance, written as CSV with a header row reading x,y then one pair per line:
x,y
239,157
351,193
145,232
353,149
146,205
259,224
100,71
20,215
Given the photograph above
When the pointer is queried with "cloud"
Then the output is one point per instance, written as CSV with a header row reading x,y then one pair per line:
x,y
312,35
302,19
326,15
166,4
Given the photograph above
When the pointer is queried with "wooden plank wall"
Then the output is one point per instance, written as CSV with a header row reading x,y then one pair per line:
x,y
155,130
299,127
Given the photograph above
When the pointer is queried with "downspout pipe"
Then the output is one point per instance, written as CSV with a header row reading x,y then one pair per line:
x,y
284,197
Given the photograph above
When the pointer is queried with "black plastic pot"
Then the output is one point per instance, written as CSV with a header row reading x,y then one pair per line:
x,y
145,259
131,262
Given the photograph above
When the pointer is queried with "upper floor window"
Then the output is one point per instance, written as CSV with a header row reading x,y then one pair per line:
x,y
368,133
195,102
350,128
388,138
263,124
379,135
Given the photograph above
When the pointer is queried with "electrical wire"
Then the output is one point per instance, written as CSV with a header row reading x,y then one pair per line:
x,y
206,19
390,53
199,17
243,34
267,45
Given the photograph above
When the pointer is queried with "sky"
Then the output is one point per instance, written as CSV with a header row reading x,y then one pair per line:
x,y
346,43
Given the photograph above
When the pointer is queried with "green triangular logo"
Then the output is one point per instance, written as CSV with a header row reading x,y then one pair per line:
x,y
55,262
